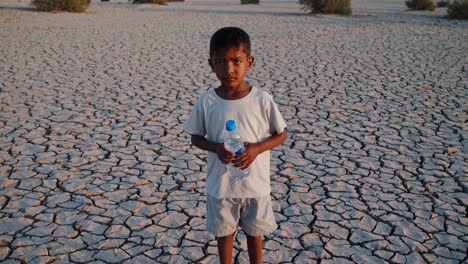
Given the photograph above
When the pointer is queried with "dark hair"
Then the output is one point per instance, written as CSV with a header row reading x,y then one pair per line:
x,y
230,37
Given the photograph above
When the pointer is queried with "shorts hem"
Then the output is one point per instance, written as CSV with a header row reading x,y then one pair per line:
x,y
252,231
221,233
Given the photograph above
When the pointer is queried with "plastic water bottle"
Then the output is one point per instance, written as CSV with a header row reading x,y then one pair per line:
x,y
233,142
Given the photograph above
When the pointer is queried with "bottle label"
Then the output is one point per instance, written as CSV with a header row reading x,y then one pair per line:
x,y
239,151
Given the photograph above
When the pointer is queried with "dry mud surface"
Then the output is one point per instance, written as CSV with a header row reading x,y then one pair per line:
x,y
95,167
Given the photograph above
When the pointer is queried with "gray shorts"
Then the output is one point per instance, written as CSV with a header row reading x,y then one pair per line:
x,y
253,215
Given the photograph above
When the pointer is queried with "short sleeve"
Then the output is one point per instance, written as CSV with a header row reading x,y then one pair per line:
x,y
276,121
195,124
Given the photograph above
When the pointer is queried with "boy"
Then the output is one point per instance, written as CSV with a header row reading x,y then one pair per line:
x,y
230,202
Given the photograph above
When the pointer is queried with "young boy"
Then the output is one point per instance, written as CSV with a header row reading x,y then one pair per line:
x,y
232,203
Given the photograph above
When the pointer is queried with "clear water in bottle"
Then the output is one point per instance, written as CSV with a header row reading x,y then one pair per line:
x,y
233,142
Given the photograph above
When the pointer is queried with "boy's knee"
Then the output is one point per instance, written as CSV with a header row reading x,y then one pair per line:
x,y
253,237
225,237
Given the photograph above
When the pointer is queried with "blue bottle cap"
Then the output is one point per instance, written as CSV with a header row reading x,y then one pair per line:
x,y
231,125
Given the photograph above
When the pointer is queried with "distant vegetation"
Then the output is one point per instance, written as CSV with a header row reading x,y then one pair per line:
x,y
443,3
458,9
341,7
420,5
77,6
250,2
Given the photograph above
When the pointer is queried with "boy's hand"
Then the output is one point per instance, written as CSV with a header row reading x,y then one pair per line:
x,y
224,155
246,158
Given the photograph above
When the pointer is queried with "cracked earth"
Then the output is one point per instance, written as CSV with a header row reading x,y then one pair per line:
x,y
95,167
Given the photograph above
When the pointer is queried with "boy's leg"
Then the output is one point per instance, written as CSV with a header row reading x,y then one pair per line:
x,y
225,245
257,220
222,218
255,247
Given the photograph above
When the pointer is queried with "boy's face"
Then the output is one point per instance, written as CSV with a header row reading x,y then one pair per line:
x,y
231,66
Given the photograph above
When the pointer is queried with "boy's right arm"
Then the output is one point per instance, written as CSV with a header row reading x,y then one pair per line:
x,y
224,155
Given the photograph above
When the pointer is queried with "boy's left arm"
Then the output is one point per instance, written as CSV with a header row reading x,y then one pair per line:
x,y
252,150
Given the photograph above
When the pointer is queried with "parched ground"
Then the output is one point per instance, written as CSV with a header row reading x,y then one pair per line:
x,y
94,166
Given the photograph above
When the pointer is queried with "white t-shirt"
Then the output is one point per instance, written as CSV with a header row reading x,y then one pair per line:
x,y
257,117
